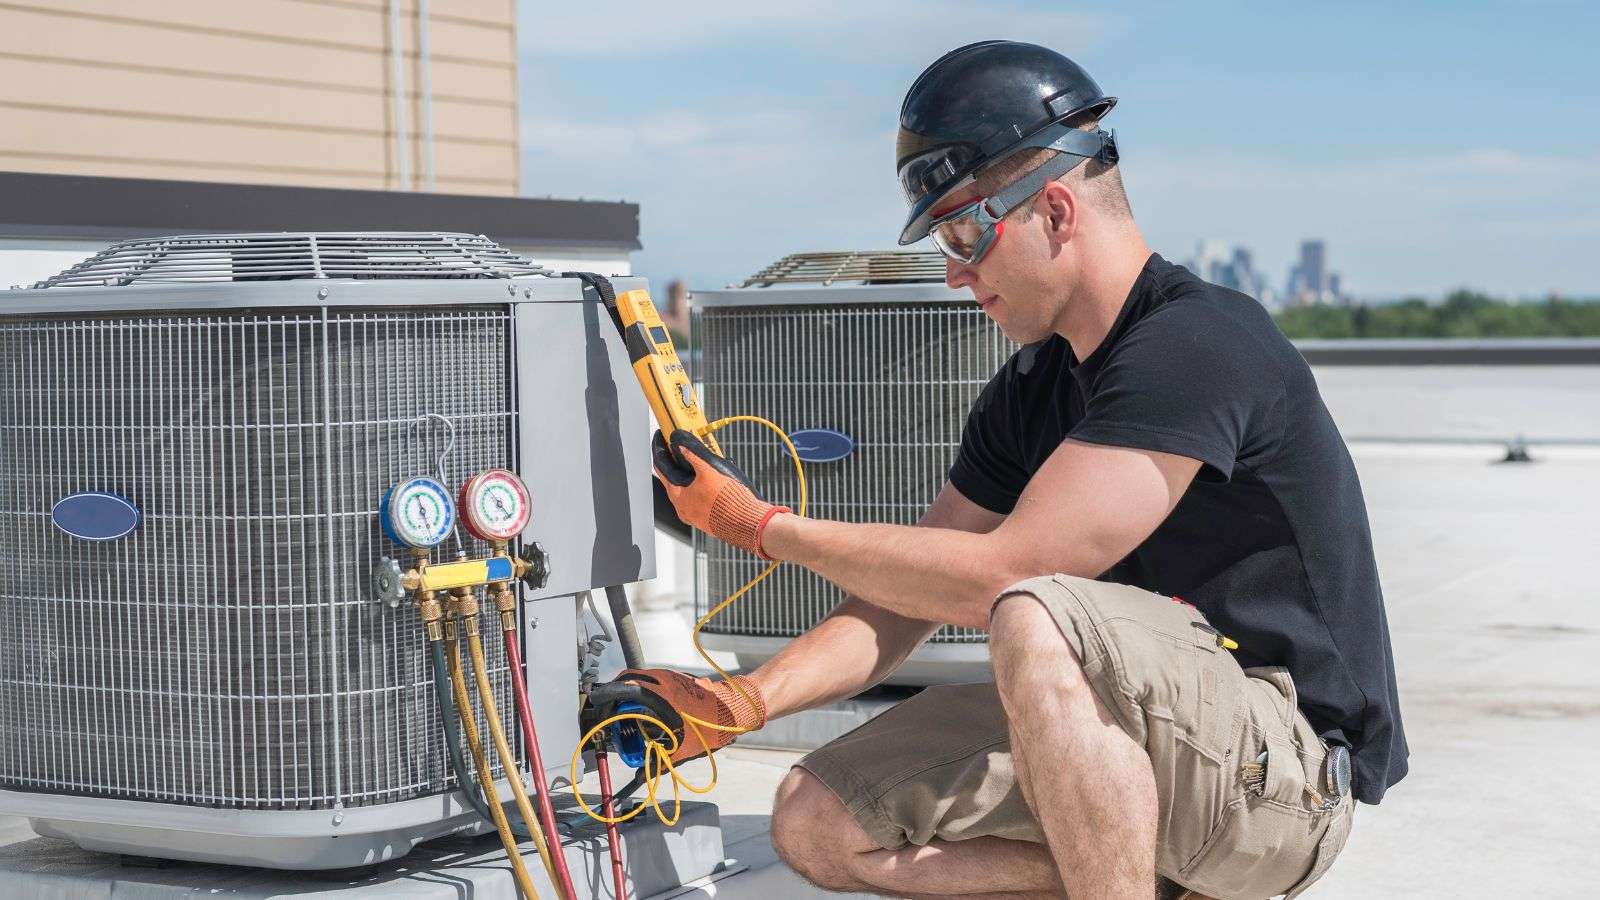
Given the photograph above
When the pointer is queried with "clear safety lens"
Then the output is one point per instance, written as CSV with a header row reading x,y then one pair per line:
x,y
964,234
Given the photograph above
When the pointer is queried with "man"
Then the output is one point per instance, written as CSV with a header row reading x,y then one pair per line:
x,y
1150,479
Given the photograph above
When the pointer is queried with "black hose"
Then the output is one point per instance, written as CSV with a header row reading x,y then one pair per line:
x,y
627,632
452,738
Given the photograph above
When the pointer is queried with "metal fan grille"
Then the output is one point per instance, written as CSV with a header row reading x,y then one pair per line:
x,y
226,653
868,267
286,256
898,378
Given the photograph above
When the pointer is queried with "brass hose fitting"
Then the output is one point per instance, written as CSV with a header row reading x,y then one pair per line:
x,y
428,608
452,616
506,602
431,611
465,604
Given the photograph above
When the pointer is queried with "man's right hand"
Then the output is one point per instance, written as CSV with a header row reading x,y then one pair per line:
x,y
718,702
710,493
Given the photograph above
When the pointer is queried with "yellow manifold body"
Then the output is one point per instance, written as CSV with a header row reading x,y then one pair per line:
x,y
466,573
444,576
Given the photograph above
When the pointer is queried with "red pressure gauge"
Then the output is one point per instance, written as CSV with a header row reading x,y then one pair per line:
x,y
495,505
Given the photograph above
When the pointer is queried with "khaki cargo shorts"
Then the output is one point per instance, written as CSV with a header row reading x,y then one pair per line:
x,y
1244,811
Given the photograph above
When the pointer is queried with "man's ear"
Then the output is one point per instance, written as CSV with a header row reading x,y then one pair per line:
x,y
1060,209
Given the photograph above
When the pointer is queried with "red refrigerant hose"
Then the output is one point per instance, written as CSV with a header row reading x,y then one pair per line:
x,y
617,874
547,813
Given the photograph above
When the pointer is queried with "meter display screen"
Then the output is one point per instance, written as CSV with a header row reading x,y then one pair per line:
x,y
659,335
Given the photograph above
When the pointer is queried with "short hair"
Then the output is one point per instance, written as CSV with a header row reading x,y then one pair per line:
x,y
1098,182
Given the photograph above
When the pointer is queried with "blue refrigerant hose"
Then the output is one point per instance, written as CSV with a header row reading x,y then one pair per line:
x,y
452,737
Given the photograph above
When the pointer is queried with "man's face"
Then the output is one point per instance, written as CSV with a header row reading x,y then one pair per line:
x,y
1016,283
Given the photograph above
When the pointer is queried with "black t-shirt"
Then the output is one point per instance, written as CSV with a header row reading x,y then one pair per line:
x,y
1271,539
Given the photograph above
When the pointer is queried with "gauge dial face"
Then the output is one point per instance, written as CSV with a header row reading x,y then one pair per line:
x,y
495,505
418,513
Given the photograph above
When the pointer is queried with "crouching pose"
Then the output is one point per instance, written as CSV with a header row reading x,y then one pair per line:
x,y
1151,512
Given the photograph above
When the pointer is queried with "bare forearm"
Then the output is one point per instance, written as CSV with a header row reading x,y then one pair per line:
x,y
937,574
857,646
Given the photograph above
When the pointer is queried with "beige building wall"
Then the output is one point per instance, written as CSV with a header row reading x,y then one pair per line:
x,y
295,92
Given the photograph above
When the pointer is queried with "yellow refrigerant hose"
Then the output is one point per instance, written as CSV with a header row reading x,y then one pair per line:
x,y
658,755
469,729
508,761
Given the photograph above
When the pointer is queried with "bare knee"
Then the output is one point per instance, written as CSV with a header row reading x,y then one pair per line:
x,y
1029,652
814,833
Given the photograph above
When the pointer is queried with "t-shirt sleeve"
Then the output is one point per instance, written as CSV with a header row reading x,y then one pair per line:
x,y
1186,380
988,469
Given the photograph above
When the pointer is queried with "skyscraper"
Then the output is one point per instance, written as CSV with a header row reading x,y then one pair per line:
x,y
1309,278
1314,266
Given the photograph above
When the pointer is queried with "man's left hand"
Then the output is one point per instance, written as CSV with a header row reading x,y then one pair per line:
x,y
735,704
710,493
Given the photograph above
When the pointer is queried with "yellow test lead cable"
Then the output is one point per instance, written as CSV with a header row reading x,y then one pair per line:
x,y
658,755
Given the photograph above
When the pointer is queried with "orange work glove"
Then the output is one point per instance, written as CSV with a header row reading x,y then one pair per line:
x,y
710,493
671,695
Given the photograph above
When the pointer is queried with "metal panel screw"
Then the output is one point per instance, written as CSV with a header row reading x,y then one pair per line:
x,y
322,293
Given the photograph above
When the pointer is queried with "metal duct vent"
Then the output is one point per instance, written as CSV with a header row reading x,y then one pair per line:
x,y
226,653
286,256
897,375
870,267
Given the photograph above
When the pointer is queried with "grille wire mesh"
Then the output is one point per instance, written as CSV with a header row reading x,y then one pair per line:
x,y
898,378
226,653
290,255
859,267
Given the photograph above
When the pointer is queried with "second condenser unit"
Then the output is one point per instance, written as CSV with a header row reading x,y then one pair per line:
x,y
871,363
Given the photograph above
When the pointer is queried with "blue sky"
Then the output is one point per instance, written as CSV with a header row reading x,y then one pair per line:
x,y
1432,145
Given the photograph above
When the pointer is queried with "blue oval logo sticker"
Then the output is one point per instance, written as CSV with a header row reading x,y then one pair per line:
x,y
96,515
820,445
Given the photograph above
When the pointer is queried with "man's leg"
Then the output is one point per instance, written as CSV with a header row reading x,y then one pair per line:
x,y
1089,784
818,838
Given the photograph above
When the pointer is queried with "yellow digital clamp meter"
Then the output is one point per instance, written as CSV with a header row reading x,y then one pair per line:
x,y
661,374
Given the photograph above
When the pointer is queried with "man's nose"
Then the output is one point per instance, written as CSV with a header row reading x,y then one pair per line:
x,y
956,275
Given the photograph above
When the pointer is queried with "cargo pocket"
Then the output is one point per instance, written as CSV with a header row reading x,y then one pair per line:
x,y
1261,849
1271,835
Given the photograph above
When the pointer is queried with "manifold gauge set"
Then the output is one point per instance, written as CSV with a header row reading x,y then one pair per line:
x,y
419,513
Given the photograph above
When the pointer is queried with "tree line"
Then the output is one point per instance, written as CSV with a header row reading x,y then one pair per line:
x,y
1462,314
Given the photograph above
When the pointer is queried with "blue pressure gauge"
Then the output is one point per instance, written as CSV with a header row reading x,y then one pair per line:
x,y
417,513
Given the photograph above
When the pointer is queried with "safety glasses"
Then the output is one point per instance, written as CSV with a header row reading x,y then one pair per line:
x,y
966,233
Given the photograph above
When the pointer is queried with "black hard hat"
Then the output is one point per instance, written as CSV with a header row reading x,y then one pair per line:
x,y
979,104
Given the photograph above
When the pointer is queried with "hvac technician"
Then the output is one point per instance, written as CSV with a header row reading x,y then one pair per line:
x,y
1157,438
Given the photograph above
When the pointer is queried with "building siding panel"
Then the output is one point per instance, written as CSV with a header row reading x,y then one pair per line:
x,y
156,94
273,91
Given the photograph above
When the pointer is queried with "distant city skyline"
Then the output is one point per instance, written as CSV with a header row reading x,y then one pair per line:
x,y
1309,280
